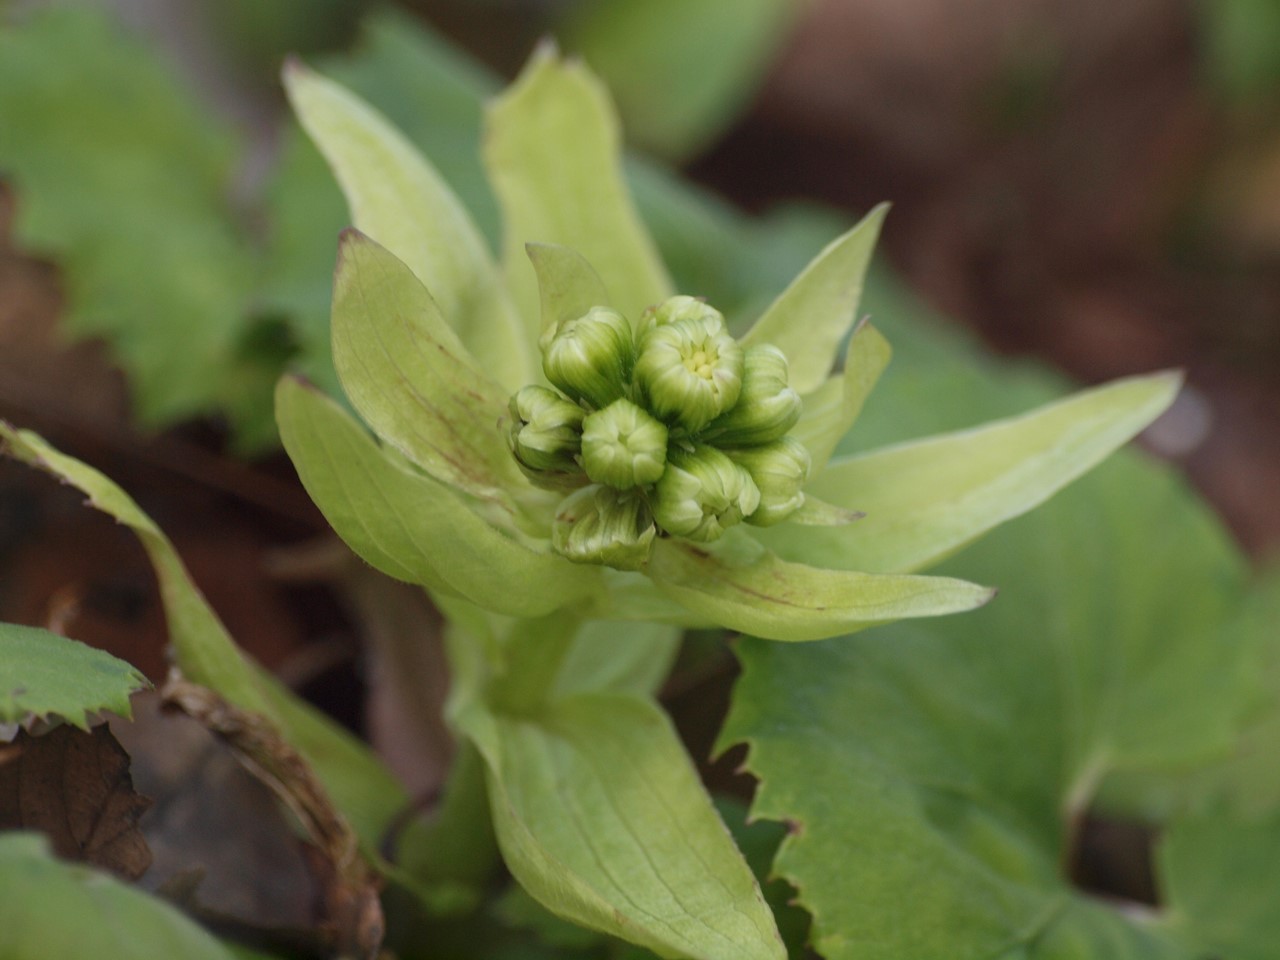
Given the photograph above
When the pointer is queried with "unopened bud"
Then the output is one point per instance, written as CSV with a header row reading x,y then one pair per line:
x,y
689,371
623,446
546,434
703,493
590,358
779,470
676,308
598,524
767,407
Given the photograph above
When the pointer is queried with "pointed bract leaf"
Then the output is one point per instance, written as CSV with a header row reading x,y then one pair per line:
x,y
400,200
360,785
744,587
552,151
811,317
568,286
56,909
602,818
43,674
833,408
411,379
926,499
410,526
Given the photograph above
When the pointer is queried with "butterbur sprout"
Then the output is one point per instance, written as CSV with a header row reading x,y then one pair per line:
x,y
696,437
432,339
589,358
702,493
546,432
767,407
677,308
689,371
601,525
623,446
779,471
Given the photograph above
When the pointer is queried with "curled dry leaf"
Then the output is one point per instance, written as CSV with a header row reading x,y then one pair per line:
x,y
74,787
353,913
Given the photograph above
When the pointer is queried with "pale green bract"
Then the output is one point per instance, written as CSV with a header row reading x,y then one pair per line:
x,y
432,390
527,522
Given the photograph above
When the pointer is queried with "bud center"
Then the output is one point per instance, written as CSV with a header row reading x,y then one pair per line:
x,y
701,361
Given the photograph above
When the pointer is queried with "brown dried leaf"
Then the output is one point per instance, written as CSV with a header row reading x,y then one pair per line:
x,y
75,788
353,912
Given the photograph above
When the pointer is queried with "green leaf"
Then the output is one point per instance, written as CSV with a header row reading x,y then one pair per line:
x,y
410,377
568,286
934,772
121,171
631,658
681,70
833,408
741,585
56,909
429,91
360,785
1221,874
926,499
43,674
410,526
601,817
400,200
811,317
552,152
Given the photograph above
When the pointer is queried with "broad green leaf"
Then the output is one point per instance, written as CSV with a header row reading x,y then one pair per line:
x,y
1222,875
410,526
410,377
568,286
833,408
399,199
933,771
744,587
552,152
601,817
1248,783
119,171
926,499
681,70
360,785
43,674
811,317
56,909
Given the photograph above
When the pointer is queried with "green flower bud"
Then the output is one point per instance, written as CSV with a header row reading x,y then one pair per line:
x,y
779,470
623,447
703,493
598,524
590,358
689,371
676,308
766,409
546,434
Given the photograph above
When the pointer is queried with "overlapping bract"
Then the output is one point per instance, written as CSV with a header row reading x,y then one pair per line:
x,y
440,389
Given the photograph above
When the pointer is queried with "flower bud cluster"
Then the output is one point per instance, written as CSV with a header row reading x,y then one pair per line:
x,y
673,428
